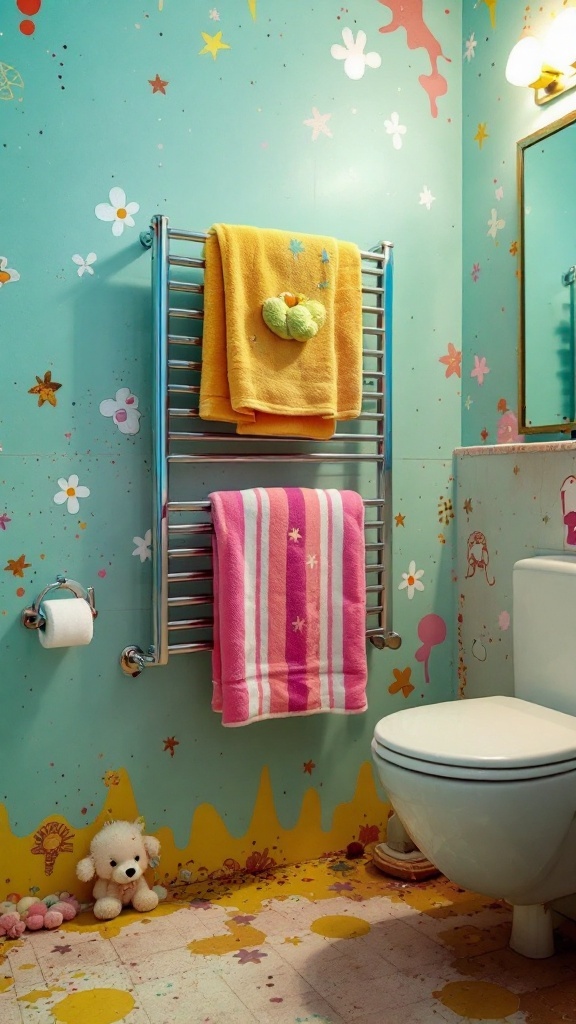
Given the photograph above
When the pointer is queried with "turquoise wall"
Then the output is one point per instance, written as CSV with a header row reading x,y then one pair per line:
x,y
496,115
240,113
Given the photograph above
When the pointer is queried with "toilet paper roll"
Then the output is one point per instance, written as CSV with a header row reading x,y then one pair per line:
x,y
69,623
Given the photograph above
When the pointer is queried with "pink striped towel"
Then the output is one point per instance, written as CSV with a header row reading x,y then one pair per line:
x,y
289,603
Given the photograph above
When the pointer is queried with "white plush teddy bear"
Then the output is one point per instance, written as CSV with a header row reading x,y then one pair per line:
x,y
119,856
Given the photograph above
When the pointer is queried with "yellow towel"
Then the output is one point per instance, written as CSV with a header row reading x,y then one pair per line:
x,y
250,376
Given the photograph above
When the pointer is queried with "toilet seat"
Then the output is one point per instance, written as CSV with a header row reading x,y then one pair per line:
x,y
492,739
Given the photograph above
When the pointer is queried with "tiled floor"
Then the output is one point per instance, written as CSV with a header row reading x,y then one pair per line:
x,y
326,942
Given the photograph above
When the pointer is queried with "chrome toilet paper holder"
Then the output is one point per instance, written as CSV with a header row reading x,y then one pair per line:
x,y
33,618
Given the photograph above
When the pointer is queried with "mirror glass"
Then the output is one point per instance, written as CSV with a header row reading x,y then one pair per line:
x,y
547,349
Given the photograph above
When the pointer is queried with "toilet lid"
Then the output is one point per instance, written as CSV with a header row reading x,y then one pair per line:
x,y
488,733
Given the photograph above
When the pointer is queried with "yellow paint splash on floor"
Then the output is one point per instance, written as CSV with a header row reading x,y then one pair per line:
x,y
469,940
340,926
40,993
5,984
86,922
240,937
478,1000
98,1006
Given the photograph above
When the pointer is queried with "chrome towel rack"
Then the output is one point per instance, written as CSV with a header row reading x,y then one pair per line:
x,y
182,573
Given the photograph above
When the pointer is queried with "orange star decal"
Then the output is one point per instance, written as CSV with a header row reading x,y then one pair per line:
x,y
401,681
170,744
17,565
45,389
158,84
399,519
308,767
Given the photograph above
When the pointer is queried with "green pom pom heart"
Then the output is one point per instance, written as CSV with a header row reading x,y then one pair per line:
x,y
293,317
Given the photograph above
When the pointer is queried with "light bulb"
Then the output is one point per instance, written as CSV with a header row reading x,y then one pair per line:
x,y
524,64
560,41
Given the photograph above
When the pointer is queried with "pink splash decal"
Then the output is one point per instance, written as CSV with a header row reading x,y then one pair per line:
x,y
431,631
101,573
120,416
408,14
507,429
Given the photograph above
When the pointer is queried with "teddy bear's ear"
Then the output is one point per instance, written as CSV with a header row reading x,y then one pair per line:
x,y
139,824
151,845
86,869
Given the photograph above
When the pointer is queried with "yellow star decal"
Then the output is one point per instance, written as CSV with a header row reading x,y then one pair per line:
x,y
45,389
481,134
213,44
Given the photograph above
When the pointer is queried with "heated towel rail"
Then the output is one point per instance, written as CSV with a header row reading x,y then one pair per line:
x,y
181,529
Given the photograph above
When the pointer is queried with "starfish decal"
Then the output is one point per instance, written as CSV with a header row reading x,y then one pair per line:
x,y
299,624
17,565
309,767
158,84
170,744
401,681
294,534
213,44
399,519
312,561
45,389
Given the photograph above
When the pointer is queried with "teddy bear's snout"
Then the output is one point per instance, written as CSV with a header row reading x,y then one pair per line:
x,y
127,871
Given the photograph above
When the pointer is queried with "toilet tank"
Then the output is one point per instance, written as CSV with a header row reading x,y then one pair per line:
x,y
544,631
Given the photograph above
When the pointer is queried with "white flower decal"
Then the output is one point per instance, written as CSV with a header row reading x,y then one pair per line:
x,y
117,210
84,264
495,224
471,45
319,124
7,275
70,492
142,548
411,580
396,130
123,410
426,197
352,53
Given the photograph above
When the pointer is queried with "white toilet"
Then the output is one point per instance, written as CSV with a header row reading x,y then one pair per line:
x,y
486,787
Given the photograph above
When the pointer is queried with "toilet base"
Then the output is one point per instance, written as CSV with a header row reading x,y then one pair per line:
x,y
532,934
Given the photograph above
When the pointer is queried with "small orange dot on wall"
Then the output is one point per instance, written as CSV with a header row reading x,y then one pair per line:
x,y
27,27
20,592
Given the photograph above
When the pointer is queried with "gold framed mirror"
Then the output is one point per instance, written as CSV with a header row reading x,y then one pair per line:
x,y
546,169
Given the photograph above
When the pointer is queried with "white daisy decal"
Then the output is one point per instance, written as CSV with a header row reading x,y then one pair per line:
x,y
117,210
411,580
352,53
69,493
142,548
7,274
83,265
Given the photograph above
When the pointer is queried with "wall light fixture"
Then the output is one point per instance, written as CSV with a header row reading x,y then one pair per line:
x,y
549,65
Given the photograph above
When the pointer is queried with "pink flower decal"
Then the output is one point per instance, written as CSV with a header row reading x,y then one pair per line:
x,y
480,369
431,631
452,361
123,410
